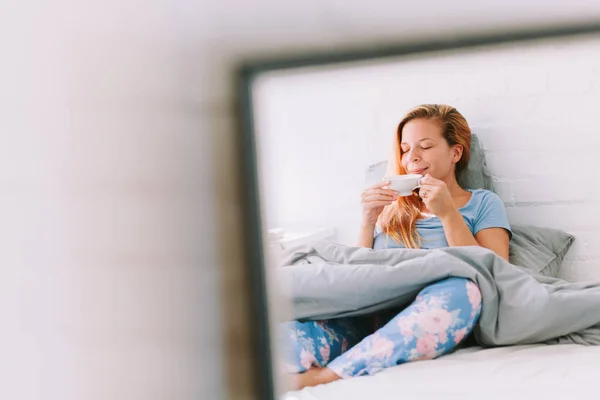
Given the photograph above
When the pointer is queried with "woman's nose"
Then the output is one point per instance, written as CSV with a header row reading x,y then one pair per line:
x,y
413,156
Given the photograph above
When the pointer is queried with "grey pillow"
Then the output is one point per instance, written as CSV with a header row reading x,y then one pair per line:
x,y
540,250
476,175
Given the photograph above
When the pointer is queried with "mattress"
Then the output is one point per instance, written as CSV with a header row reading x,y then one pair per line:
x,y
541,371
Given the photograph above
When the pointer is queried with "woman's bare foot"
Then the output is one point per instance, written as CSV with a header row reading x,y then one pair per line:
x,y
313,377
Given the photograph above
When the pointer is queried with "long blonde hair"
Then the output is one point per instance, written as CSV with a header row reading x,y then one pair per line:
x,y
399,219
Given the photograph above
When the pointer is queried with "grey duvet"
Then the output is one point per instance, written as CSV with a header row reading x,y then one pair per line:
x,y
518,307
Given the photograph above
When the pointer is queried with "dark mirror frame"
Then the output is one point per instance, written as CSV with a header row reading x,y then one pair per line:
x,y
252,231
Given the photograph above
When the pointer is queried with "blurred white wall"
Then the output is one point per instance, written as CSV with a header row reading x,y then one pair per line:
x,y
121,271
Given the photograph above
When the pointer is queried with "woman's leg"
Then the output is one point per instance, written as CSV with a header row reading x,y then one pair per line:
x,y
442,315
314,343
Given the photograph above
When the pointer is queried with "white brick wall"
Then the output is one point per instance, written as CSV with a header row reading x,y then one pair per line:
x,y
534,106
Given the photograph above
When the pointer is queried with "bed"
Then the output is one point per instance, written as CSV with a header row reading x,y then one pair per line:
x,y
540,371
531,371
323,279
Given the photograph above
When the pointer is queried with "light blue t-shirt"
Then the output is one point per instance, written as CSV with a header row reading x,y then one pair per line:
x,y
484,210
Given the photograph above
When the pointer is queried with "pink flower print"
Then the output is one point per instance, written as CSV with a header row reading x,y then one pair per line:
x,y
307,359
355,353
436,320
420,306
459,335
325,351
426,347
294,334
436,302
474,295
406,324
344,345
381,347
443,337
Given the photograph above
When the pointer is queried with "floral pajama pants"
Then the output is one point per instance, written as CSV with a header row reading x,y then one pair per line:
x,y
441,316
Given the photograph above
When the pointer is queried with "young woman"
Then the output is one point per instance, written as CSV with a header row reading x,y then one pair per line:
x,y
432,140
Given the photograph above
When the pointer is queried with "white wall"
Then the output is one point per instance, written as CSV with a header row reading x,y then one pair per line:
x,y
121,270
532,104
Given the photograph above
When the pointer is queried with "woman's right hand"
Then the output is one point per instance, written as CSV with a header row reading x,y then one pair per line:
x,y
374,199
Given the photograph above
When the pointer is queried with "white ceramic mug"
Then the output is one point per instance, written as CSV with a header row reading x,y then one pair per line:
x,y
404,184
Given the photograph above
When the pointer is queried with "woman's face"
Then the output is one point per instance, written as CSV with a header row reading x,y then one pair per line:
x,y
425,151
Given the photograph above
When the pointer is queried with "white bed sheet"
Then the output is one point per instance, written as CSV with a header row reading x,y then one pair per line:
x,y
515,372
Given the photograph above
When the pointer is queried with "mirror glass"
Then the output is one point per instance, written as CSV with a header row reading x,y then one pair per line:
x,y
326,133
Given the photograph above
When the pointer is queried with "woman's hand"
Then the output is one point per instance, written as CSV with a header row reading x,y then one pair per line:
x,y
436,196
374,199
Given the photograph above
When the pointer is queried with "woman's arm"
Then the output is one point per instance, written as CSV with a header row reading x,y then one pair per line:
x,y
495,239
491,222
374,199
366,235
458,234
456,230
